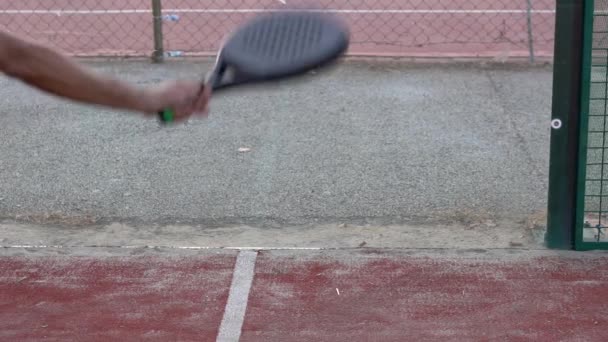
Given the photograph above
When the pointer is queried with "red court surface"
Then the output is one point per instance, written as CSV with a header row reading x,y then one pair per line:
x,y
457,28
83,298
354,295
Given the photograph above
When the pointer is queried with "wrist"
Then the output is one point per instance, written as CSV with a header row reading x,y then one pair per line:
x,y
142,100
116,93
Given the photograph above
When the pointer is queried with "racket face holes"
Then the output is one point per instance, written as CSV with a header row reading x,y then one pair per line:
x,y
279,44
556,123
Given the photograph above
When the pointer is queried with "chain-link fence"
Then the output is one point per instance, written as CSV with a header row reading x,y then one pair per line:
x,y
422,28
594,131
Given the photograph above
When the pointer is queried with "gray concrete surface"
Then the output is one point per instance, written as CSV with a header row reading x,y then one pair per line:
x,y
381,144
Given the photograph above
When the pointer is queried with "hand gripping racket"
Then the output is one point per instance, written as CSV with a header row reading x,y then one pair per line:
x,y
275,46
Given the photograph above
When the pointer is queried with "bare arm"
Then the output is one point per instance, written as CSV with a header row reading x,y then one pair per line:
x,y
52,72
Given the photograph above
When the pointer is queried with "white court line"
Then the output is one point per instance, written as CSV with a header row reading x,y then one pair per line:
x,y
167,247
60,12
234,314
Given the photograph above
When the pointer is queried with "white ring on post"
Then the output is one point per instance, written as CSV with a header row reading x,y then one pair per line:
x,y
556,123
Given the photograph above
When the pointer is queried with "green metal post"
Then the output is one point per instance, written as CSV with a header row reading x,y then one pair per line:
x,y
157,55
563,166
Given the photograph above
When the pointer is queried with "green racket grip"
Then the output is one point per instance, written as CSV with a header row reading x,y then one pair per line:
x,y
166,115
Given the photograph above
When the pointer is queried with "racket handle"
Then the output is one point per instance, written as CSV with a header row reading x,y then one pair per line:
x,y
166,115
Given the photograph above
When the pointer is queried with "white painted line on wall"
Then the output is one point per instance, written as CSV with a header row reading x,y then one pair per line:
x,y
60,12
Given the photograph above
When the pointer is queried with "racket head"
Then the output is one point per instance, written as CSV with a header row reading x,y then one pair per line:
x,y
274,46
282,44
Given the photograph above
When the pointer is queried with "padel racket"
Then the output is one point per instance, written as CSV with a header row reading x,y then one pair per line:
x,y
275,46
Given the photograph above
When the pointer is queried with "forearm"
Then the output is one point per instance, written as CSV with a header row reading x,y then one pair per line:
x,y
57,74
